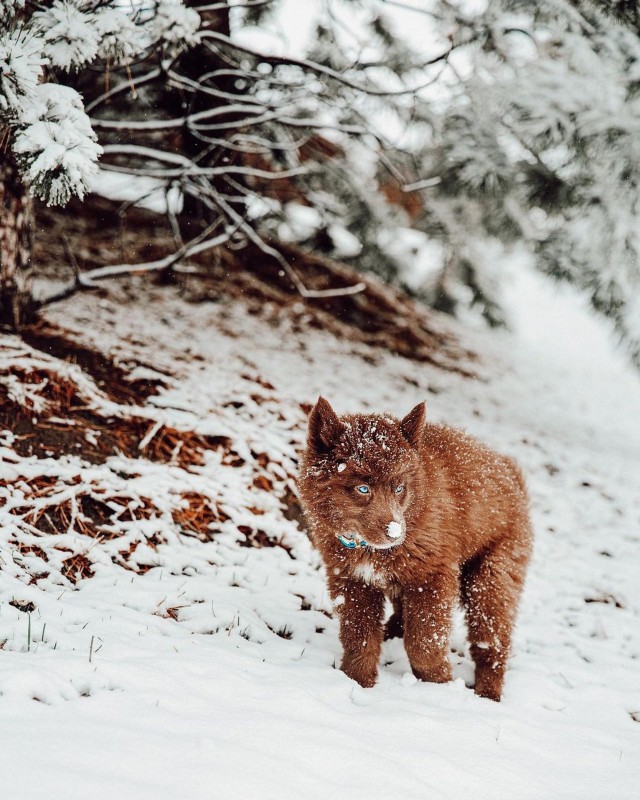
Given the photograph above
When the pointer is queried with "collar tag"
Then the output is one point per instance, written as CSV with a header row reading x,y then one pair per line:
x,y
350,544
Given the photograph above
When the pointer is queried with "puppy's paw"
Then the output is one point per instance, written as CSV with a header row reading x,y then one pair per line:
x,y
433,673
363,673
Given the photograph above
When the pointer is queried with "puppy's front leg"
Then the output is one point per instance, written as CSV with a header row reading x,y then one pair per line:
x,y
427,623
361,609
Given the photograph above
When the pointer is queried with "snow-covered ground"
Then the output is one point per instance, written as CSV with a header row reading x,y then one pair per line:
x,y
211,674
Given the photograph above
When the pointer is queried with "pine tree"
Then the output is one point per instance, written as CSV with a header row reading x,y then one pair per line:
x,y
252,141
50,150
538,143
259,146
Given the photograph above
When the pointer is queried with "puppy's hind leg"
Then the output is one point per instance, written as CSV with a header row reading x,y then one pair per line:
x,y
491,587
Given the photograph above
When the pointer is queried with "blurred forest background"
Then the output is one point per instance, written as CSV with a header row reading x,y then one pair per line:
x,y
435,145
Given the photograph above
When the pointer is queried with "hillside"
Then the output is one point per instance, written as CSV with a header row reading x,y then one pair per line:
x,y
165,629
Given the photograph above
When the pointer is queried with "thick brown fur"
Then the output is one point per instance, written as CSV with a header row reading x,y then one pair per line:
x,y
460,530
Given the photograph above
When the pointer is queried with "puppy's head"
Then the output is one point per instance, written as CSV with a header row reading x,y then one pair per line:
x,y
359,473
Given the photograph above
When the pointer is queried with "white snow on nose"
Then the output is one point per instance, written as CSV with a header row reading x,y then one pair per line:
x,y
394,530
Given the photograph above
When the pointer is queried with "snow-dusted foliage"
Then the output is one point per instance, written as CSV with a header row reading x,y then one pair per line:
x,y
10,7
175,25
489,128
71,40
21,64
55,147
525,136
120,39
51,137
538,142
322,111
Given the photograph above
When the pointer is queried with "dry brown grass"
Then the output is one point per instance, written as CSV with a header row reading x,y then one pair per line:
x,y
68,427
55,416
255,537
110,377
86,514
77,567
199,516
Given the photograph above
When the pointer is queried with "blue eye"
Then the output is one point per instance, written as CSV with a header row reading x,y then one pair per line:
x,y
363,489
400,488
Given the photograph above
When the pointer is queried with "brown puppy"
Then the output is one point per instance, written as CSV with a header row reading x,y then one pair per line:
x,y
442,516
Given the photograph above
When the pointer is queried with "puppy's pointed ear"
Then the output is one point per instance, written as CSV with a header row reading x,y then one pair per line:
x,y
324,427
412,425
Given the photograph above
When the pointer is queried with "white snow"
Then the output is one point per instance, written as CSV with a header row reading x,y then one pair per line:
x,y
119,36
21,65
300,222
342,466
345,244
104,694
421,257
150,193
71,38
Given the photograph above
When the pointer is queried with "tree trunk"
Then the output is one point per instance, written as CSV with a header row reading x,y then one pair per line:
x,y
17,307
194,63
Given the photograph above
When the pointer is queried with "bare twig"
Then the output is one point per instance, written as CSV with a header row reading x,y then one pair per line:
x,y
122,87
321,69
138,125
426,183
197,245
208,172
229,6
290,271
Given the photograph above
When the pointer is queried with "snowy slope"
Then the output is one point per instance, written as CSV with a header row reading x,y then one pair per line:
x,y
211,673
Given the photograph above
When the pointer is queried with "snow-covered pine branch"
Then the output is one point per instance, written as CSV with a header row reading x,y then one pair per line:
x,y
52,139
70,34
175,25
536,149
55,147
21,62
50,150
